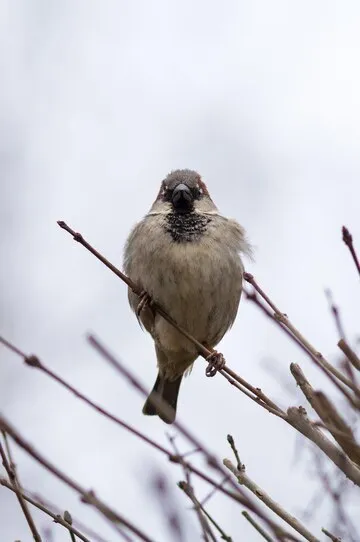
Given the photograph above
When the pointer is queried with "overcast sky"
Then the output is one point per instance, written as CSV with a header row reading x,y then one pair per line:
x,y
98,102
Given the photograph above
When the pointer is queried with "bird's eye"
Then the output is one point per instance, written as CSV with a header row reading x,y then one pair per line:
x,y
197,191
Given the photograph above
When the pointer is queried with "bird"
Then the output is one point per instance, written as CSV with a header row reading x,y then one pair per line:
x,y
185,257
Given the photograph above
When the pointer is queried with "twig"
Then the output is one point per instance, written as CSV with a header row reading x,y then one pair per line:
x,y
348,240
68,519
243,479
231,441
189,491
336,314
331,536
197,504
256,526
210,458
214,490
328,414
11,472
38,502
349,353
87,496
34,362
298,418
283,321
207,533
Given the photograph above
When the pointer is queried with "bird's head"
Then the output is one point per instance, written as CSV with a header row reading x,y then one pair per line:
x,y
183,192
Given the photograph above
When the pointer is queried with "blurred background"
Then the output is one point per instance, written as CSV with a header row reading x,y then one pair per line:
x,y
98,102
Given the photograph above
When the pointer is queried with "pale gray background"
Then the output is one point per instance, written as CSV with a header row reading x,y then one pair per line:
x,y
98,102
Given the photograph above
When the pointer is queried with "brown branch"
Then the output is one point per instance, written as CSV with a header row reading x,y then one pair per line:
x,y
210,458
283,321
336,314
56,517
298,418
87,496
188,489
348,240
243,479
256,526
331,536
10,468
34,362
349,353
207,533
328,414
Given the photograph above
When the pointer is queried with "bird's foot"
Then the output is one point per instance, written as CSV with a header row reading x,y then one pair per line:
x,y
216,362
144,301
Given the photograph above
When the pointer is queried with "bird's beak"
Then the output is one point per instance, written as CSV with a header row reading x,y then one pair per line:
x,y
182,198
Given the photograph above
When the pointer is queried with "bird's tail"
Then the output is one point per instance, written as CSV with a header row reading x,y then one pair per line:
x,y
168,391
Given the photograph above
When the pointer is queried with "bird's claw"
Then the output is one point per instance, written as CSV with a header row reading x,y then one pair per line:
x,y
216,362
144,301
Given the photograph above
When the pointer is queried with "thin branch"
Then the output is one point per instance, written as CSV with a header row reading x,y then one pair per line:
x,y
214,490
256,526
210,458
349,353
87,496
328,414
207,533
298,418
331,536
231,441
243,479
9,466
67,517
189,491
34,362
283,321
348,240
336,314
36,502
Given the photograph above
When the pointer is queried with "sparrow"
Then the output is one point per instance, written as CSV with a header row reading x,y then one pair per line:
x,y
186,257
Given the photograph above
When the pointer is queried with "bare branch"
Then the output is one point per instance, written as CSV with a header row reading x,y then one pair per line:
x,y
349,353
243,479
336,377
336,314
331,536
210,458
11,472
329,415
256,526
87,496
298,418
348,240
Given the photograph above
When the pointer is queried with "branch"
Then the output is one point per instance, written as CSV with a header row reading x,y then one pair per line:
x,y
34,362
56,517
331,536
348,240
210,458
328,414
283,321
256,526
349,353
298,418
87,496
242,477
11,472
